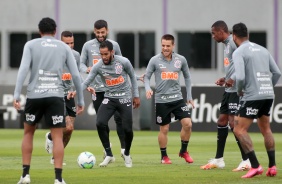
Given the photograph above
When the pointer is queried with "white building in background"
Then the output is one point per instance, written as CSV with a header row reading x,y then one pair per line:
x,y
138,26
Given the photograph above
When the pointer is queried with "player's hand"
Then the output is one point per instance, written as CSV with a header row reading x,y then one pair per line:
x,y
191,102
71,94
220,81
240,93
229,83
91,90
136,102
149,94
17,104
141,78
79,109
88,70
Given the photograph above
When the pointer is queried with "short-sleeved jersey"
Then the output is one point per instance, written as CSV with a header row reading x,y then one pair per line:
x,y
66,76
256,72
90,55
115,78
46,57
167,75
229,48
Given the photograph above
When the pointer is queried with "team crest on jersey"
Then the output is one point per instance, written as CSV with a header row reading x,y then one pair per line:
x,y
118,68
177,64
159,119
105,101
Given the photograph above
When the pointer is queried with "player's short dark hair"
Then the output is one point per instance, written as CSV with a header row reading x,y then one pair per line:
x,y
220,24
107,44
240,30
100,24
168,37
66,34
47,25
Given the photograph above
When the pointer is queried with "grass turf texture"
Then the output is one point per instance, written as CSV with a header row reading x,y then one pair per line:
x,y
145,155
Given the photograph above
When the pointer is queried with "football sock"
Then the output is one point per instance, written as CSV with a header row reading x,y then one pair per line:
x,y
58,173
163,152
25,170
271,158
50,137
109,151
184,145
222,133
253,159
243,154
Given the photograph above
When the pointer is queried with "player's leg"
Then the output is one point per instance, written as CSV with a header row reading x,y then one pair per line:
x,y
120,131
70,118
105,112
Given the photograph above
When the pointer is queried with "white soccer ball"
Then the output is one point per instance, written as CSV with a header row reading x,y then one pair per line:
x,y
86,160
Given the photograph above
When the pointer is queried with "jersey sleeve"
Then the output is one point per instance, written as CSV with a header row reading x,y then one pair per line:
x,y
130,71
239,70
149,72
187,78
92,74
83,59
276,73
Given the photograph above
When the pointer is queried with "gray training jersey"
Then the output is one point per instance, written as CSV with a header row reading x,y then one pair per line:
x,y
229,48
46,57
115,78
167,74
90,55
256,72
66,76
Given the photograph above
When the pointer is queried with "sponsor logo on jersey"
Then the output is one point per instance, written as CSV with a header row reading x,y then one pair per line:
x,y
45,44
226,61
169,75
105,101
115,81
177,64
66,76
57,119
29,117
116,94
159,119
251,111
227,49
162,66
118,68
95,61
164,97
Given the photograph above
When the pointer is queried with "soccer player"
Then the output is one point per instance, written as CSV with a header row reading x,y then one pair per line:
x,y
90,55
256,74
230,100
167,67
45,57
69,94
114,71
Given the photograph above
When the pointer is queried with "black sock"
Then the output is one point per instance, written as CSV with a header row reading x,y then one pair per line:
x,y
243,154
184,145
163,152
222,133
253,159
58,173
271,158
25,170
50,137
109,151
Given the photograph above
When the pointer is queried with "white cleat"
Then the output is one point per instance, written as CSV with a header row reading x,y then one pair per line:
x,y
48,144
245,165
122,152
58,182
127,160
214,163
24,180
107,161
52,161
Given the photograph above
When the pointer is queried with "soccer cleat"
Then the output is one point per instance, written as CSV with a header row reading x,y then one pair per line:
x,y
165,160
253,172
122,152
48,144
58,182
245,165
272,171
214,163
52,161
107,161
187,157
24,180
127,160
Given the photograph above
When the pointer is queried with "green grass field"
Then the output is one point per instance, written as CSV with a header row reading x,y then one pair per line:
x,y
146,160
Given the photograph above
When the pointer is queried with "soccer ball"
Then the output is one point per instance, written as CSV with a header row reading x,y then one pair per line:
x,y
86,160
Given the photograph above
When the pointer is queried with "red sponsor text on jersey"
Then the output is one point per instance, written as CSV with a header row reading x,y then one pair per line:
x,y
226,61
66,76
169,75
115,81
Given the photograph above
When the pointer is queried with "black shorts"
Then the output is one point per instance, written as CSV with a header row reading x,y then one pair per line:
x,y
163,111
255,109
52,108
70,107
229,103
